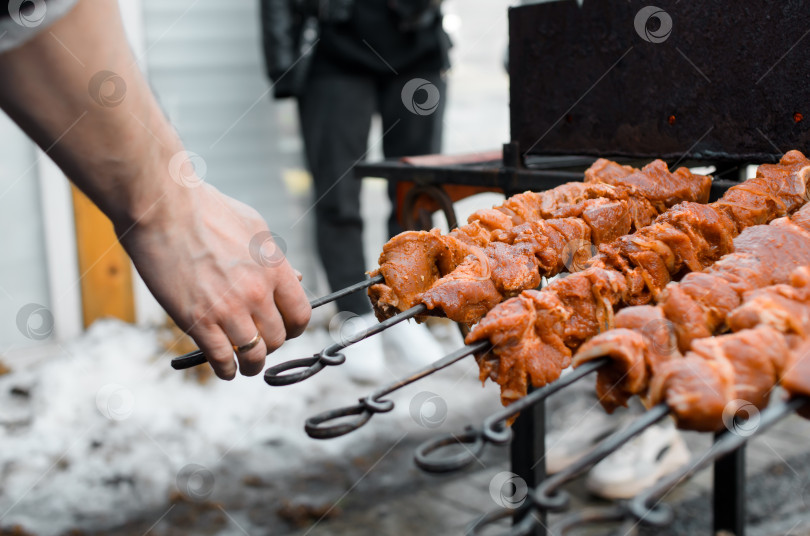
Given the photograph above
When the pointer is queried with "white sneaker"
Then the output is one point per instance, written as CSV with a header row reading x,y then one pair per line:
x,y
413,343
365,360
636,466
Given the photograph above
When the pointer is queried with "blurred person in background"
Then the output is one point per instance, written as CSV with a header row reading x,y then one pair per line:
x,y
95,116
343,61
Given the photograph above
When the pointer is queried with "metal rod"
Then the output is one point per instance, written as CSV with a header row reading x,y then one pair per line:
x,y
317,427
494,427
528,456
331,355
493,430
351,289
647,506
197,357
547,495
728,501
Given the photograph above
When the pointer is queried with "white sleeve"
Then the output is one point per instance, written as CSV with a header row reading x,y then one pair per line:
x,y
26,18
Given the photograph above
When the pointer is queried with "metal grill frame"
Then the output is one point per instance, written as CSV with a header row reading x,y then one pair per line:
x,y
513,175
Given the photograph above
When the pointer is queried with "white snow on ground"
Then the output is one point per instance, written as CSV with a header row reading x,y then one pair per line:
x,y
98,432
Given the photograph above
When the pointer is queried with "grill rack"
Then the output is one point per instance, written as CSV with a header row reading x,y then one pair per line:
x,y
647,507
556,51
527,434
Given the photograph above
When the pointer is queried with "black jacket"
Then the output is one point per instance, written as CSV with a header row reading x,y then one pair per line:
x,y
291,28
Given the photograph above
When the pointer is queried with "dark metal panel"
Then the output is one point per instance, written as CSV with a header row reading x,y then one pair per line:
x,y
728,82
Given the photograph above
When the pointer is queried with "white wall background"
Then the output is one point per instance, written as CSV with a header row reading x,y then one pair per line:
x,y
23,268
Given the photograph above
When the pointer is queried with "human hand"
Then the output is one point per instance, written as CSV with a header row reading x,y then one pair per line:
x,y
211,263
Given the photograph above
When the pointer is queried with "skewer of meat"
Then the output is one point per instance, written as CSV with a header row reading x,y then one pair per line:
x,y
507,249
534,333
722,374
701,305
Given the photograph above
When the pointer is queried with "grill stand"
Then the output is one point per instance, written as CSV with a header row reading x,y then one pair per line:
x,y
728,489
729,493
511,175
528,455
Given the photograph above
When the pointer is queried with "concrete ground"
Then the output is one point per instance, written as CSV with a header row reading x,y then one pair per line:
x,y
379,491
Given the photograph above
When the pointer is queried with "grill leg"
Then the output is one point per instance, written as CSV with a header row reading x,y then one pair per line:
x,y
729,493
528,452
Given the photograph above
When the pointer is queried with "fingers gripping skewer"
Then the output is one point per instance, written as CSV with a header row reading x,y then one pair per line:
x,y
318,427
493,430
192,359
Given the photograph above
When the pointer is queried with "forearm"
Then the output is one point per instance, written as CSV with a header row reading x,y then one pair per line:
x,y
195,248
111,140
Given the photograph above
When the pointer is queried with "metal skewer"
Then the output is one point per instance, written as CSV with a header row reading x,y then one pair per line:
x,y
546,497
351,289
493,429
331,356
647,506
317,427
197,357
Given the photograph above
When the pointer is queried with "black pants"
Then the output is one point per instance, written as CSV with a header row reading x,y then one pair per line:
x,y
335,111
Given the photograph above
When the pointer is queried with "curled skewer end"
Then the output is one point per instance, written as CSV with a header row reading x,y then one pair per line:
x,y
315,428
189,360
311,365
659,514
497,432
472,441
551,501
